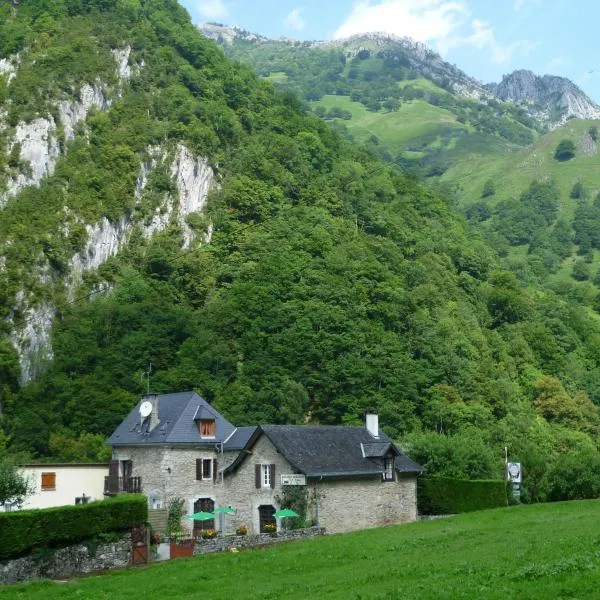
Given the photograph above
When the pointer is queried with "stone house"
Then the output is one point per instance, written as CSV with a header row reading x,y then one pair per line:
x,y
178,445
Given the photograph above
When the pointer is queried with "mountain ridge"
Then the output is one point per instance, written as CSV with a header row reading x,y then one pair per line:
x,y
550,99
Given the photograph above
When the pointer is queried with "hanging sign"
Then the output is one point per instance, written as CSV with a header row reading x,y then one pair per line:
x,y
293,479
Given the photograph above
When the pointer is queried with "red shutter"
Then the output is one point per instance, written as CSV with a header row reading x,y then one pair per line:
x,y
214,469
272,476
198,469
257,475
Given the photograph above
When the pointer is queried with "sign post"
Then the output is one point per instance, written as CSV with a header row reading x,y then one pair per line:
x,y
513,474
293,479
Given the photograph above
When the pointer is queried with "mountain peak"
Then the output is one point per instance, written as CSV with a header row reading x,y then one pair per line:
x,y
551,98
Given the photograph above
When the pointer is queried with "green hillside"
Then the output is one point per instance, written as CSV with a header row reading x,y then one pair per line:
x,y
313,283
384,95
534,552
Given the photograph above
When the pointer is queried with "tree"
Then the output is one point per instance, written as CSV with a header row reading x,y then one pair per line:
x,y
593,131
578,191
581,271
14,485
565,150
488,189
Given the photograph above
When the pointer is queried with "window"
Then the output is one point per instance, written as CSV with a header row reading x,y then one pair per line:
x,y
206,468
265,476
48,481
388,469
208,428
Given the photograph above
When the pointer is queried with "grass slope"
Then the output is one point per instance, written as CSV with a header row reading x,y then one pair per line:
x,y
514,172
535,552
396,129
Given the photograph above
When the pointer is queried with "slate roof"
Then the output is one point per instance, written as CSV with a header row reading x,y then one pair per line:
x,y
240,438
177,425
329,451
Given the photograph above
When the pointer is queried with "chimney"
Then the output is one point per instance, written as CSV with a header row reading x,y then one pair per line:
x,y
154,420
373,424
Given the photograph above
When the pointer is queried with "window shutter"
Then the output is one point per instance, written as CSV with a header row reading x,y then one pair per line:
x,y
198,469
272,476
214,469
113,468
48,481
257,475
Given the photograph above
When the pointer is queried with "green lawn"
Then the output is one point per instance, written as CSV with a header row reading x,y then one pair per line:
x,y
544,552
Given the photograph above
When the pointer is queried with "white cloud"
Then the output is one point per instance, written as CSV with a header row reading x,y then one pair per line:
x,y
294,20
212,9
555,64
443,24
483,38
519,4
422,20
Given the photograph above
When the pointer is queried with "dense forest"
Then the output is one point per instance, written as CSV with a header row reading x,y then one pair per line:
x,y
332,283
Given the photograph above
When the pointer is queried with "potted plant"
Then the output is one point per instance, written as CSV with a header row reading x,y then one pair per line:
x,y
241,530
271,529
209,534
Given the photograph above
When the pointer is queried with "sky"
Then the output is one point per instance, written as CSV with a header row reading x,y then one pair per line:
x,y
484,38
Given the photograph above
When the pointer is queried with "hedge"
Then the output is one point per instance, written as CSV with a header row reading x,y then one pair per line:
x,y
24,531
441,496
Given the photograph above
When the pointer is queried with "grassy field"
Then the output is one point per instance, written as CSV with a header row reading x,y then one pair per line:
x,y
549,551
413,121
514,172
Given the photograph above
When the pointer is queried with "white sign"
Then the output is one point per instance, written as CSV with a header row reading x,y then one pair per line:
x,y
513,472
293,479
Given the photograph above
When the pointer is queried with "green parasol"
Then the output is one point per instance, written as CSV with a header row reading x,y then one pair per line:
x,y
285,512
226,510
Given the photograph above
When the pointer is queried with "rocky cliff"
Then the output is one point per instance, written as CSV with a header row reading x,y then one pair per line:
x,y
549,98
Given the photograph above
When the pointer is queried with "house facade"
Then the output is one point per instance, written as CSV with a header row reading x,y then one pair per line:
x,y
178,446
60,484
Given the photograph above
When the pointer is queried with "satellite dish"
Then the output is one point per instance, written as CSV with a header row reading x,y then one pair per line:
x,y
145,409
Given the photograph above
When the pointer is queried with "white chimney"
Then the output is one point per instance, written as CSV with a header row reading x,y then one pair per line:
x,y
373,424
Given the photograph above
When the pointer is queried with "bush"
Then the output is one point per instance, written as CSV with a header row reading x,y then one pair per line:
x,y
565,150
24,531
441,496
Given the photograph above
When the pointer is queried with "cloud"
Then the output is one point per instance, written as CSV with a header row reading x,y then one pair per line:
x,y
212,9
422,20
294,20
443,24
482,37
519,4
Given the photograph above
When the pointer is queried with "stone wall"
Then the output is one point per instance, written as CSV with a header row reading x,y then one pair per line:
x,y
241,485
66,562
359,503
239,542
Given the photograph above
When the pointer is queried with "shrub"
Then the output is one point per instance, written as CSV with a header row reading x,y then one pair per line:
x,y
24,531
441,496
269,528
565,150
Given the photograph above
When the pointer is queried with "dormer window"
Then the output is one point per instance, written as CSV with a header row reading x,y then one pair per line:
x,y
208,428
388,468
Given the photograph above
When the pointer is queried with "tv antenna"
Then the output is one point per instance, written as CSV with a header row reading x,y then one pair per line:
x,y
146,374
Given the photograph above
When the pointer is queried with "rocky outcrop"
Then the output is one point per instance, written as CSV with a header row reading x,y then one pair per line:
x,y
72,113
549,98
8,67
38,140
32,339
